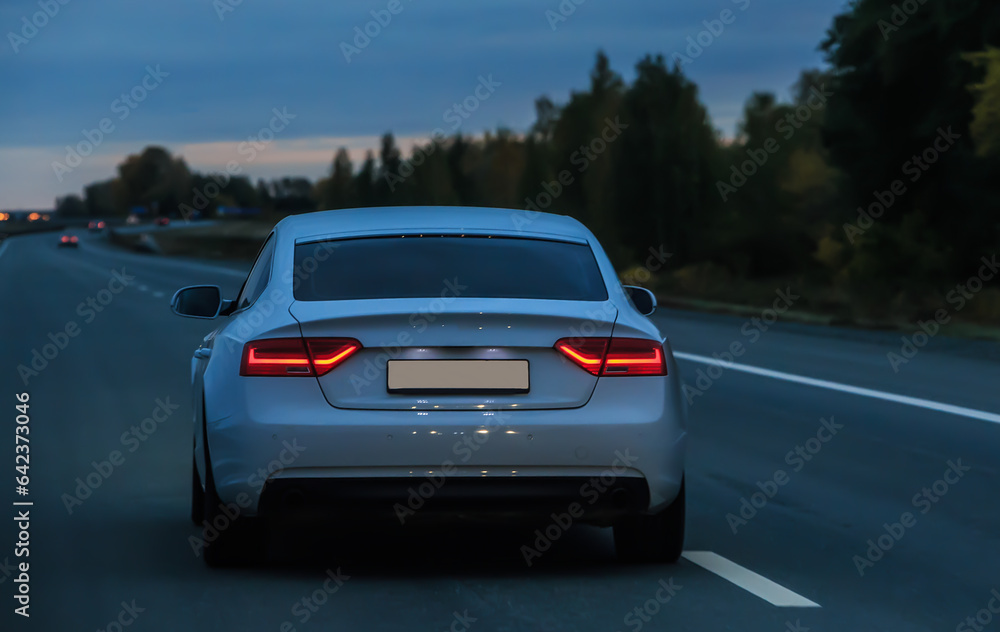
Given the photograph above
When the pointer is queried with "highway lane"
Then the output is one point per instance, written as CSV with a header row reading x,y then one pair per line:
x,y
129,539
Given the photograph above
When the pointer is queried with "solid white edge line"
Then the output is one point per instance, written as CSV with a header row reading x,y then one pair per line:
x,y
748,580
846,388
3,245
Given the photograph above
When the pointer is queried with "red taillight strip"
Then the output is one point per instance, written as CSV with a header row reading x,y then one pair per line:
x,y
295,357
332,361
587,353
327,353
256,360
582,360
657,359
617,356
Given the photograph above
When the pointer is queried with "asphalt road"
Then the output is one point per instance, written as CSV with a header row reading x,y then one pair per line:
x,y
123,554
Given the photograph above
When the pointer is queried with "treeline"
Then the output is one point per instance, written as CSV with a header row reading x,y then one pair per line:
x,y
877,180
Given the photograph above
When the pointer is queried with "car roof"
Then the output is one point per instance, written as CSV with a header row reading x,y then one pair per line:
x,y
423,219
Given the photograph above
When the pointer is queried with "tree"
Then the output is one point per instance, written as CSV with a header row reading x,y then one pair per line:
x,y
293,195
153,179
900,86
364,182
337,190
663,165
99,198
71,206
392,182
985,126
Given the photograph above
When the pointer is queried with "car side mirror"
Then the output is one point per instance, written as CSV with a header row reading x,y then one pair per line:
x,y
643,299
199,301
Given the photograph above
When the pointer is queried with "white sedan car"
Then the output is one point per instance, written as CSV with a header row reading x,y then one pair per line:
x,y
436,361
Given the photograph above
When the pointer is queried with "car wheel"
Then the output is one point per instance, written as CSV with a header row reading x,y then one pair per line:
x,y
197,496
655,538
228,537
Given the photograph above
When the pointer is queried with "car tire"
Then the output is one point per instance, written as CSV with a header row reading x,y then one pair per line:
x,y
197,496
657,538
228,539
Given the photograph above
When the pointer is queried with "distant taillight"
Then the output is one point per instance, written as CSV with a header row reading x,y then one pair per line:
x,y
65,238
74,239
295,357
615,357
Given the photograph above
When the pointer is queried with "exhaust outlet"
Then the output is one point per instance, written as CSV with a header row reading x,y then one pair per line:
x,y
293,499
620,498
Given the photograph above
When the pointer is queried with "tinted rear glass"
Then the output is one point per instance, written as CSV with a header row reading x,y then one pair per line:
x,y
418,267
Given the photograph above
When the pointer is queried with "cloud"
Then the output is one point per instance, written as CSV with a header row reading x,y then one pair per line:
x,y
225,75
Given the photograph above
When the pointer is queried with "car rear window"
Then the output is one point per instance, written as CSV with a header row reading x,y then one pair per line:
x,y
418,267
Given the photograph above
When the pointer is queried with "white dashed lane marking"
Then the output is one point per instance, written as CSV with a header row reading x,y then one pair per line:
x,y
748,580
845,388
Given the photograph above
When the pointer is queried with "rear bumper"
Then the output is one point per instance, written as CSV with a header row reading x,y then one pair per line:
x,y
598,499
631,433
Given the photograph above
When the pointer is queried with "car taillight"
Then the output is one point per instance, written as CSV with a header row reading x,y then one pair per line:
x,y
587,353
612,357
295,357
633,356
327,353
65,238
74,239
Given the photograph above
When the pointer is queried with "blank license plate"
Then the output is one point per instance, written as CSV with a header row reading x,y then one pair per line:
x,y
441,376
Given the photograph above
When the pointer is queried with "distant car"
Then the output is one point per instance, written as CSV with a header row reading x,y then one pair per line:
x,y
69,241
519,351
132,220
96,225
162,221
